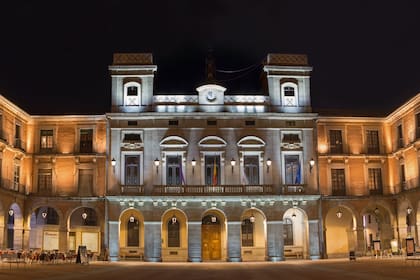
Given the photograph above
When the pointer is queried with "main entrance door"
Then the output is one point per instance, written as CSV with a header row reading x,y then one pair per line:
x,y
210,238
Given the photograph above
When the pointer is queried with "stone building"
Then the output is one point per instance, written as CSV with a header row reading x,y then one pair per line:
x,y
209,175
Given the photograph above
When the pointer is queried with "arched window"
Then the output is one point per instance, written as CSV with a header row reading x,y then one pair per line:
x,y
247,233
173,232
133,231
132,92
288,231
289,94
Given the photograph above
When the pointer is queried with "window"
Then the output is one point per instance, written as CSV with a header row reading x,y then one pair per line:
x,y
250,123
338,182
174,175
400,136
289,91
44,180
132,94
85,182
336,142
18,140
247,233
132,170
16,177
288,232
86,139
372,142
375,180
46,141
251,170
402,176
173,122
132,123
212,170
133,232
417,125
211,122
292,174
173,233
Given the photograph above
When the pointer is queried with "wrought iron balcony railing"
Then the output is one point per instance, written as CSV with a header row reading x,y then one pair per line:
x,y
213,190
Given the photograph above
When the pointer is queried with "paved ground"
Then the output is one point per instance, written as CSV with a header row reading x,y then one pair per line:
x,y
338,269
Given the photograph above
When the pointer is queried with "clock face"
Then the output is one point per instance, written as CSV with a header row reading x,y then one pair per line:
x,y
211,96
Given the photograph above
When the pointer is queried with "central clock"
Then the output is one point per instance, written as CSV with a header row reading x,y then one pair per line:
x,y
211,96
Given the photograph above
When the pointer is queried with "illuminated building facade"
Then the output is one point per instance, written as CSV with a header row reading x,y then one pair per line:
x,y
210,175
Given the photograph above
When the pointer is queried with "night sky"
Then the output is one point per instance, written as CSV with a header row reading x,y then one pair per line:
x,y
54,55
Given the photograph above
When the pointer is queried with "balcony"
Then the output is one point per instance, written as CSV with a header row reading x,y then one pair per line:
x,y
213,190
12,186
132,189
293,189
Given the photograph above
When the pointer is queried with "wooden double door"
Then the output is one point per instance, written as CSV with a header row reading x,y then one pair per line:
x,y
211,247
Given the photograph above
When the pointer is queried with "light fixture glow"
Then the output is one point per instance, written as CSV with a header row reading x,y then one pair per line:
x,y
131,219
213,219
113,162
44,214
232,163
252,218
268,162
409,210
84,215
11,212
311,164
193,163
174,220
157,162
339,214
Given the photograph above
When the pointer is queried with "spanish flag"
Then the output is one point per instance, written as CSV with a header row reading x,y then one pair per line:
x,y
214,172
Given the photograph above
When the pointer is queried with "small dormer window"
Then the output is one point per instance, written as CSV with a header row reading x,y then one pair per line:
x,y
289,94
132,92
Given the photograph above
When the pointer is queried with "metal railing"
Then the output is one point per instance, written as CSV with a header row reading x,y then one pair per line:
x,y
213,190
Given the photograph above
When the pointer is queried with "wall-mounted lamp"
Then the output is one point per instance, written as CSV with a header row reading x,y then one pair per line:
x,y
294,215
84,215
232,163
113,162
339,213
173,220
409,210
376,211
193,163
252,218
213,219
44,214
11,212
131,219
311,164
268,164
157,162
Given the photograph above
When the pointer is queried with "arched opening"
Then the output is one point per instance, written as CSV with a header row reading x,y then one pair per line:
x,y
340,222
44,223
211,236
174,236
295,233
84,230
131,235
253,235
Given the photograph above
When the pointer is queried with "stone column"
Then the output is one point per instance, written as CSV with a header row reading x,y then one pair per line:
x,y
314,252
194,241
25,235
62,239
152,241
275,242
114,240
234,241
360,241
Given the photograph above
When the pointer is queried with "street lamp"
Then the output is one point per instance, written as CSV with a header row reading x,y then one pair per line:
x,y
339,213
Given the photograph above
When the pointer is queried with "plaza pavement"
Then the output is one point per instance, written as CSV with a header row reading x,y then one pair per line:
x,y
334,269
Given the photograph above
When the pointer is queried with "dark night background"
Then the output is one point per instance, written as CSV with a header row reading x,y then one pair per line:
x,y
54,55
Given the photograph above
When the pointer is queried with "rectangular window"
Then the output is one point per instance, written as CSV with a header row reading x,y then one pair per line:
x,y
46,141
86,140
247,229
16,177
251,170
173,234
132,170
212,170
133,233
18,139
85,182
338,182
336,142
375,181
250,123
173,122
211,122
400,137
288,232
44,180
174,174
417,125
372,142
402,176
292,172
132,123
